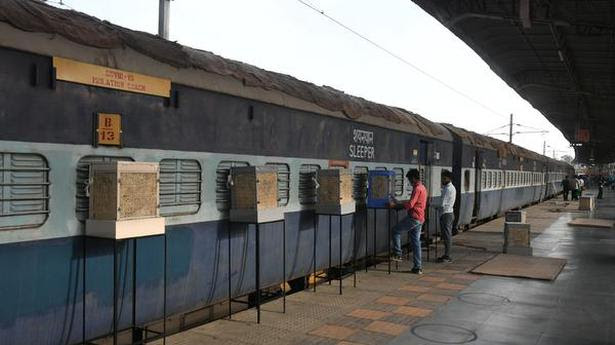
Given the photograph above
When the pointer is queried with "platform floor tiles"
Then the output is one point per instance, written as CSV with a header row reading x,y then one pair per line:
x,y
447,304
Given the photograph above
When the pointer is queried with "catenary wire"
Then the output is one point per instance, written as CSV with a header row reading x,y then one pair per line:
x,y
399,58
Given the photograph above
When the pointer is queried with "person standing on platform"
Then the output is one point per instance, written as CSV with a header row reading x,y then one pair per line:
x,y
601,183
413,222
581,186
574,187
449,193
566,188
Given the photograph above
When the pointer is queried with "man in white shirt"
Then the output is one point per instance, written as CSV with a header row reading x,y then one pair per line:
x,y
447,216
581,185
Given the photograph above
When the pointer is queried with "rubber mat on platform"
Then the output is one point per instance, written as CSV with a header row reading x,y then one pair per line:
x,y
592,222
522,266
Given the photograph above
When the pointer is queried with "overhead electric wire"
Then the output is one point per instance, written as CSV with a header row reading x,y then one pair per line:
x,y
399,58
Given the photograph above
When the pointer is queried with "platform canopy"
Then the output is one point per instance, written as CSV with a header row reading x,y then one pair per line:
x,y
558,55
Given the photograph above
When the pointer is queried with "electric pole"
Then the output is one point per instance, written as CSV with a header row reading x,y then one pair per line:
x,y
544,148
510,128
164,7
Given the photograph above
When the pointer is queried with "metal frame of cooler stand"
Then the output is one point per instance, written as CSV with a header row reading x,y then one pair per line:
x,y
133,327
340,266
231,298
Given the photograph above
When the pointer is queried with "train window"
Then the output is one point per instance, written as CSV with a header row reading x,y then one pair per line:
x,y
24,190
466,180
83,175
490,179
180,186
359,184
399,181
483,179
223,192
380,168
283,182
307,183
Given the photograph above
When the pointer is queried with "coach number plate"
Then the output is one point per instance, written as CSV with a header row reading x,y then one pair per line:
x,y
109,129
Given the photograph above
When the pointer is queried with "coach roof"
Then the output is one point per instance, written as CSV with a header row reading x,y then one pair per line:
x,y
84,30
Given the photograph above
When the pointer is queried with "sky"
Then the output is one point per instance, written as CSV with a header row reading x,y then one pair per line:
x,y
288,37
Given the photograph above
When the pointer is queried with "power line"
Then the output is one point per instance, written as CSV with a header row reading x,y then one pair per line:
x,y
401,59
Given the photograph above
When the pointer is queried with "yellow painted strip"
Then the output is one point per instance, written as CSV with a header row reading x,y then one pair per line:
x,y
101,76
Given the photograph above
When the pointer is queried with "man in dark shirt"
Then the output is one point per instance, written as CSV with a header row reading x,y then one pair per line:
x,y
566,188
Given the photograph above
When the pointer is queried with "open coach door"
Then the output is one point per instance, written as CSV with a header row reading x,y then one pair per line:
x,y
478,180
425,169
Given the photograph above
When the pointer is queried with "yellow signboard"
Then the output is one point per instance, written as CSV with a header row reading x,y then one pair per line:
x,y
109,129
83,73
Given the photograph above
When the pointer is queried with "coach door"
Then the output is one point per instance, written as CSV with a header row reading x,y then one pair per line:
x,y
478,176
425,154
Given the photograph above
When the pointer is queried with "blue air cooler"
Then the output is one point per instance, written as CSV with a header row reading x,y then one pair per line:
x,y
381,187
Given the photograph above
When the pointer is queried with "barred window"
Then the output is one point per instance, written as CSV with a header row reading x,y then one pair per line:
x,y
399,181
483,181
223,192
180,186
83,175
24,190
307,183
359,184
283,182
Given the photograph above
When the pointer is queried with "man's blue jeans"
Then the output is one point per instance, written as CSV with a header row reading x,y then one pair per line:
x,y
414,227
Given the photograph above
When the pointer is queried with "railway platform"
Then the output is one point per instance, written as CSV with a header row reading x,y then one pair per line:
x,y
450,305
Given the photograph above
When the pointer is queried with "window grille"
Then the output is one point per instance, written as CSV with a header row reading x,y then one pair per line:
x,y
399,181
24,190
359,184
223,192
283,182
307,184
83,175
180,186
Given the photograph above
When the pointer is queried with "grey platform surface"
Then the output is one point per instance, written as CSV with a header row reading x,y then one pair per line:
x,y
577,308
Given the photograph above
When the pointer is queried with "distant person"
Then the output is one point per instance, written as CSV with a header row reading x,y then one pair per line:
x,y
574,187
601,183
566,187
447,217
413,222
581,185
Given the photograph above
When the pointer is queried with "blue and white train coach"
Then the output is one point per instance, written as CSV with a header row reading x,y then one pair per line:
x,y
197,115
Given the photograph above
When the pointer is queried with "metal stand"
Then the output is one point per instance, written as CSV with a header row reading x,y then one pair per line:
x,y
137,336
436,240
374,253
257,268
340,265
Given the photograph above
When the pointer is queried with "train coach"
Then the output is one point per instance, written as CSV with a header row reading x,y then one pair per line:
x,y
73,95
492,176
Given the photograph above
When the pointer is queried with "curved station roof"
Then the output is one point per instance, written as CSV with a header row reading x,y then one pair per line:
x,y
558,55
